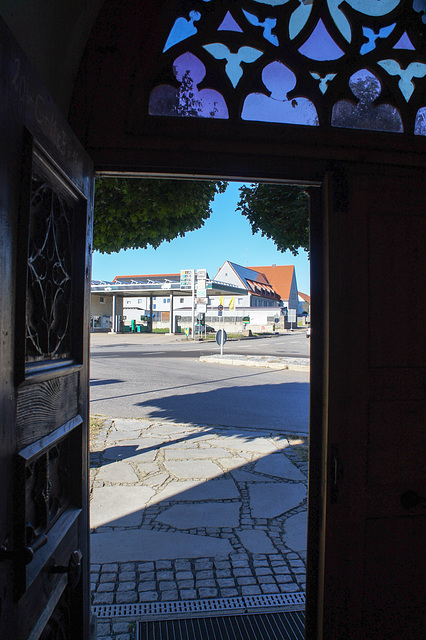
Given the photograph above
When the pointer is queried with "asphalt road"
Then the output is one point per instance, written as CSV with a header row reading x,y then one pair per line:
x,y
159,377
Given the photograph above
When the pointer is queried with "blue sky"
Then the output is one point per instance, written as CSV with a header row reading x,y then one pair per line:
x,y
226,235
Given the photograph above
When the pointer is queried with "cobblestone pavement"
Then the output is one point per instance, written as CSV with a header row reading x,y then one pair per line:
x,y
185,511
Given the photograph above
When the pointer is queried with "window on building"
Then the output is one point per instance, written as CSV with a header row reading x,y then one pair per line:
x,y
181,300
139,300
154,306
102,299
164,300
240,301
168,299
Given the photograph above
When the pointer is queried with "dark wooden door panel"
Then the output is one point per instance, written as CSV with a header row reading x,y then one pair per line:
x,y
373,560
395,570
46,213
48,498
51,403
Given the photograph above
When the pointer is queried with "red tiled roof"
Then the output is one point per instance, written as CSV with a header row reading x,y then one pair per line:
x,y
280,278
261,289
304,297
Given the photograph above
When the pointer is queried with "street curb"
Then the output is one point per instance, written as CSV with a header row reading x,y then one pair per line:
x,y
268,362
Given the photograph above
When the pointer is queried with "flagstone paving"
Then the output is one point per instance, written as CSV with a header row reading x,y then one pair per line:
x,y
186,511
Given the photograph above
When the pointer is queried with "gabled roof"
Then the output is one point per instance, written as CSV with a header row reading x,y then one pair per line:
x,y
254,281
304,297
280,278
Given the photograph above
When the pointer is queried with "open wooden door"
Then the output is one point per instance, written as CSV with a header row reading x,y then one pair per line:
x,y
370,552
46,220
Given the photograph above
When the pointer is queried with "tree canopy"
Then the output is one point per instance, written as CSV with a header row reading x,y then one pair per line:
x,y
279,212
132,213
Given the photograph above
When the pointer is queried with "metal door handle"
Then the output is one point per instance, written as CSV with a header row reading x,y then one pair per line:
x,y
73,569
29,551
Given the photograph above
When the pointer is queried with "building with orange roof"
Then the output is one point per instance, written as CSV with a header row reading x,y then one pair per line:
x,y
304,305
283,280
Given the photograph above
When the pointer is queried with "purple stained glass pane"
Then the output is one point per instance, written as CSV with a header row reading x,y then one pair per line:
x,y
404,43
164,101
364,114
279,80
187,100
229,24
320,45
189,66
420,125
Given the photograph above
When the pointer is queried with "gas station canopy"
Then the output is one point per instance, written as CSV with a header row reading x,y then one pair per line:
x,y
148,288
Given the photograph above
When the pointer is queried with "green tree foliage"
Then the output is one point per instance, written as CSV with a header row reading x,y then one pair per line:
x,y
279,212
132,213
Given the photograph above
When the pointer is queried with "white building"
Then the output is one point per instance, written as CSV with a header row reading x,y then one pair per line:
x,y
260,292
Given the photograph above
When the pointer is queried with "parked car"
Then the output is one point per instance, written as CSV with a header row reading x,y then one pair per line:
x,y
308,332
207,328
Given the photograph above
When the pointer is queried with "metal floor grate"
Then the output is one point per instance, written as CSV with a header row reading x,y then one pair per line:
x,y
284,625
208,607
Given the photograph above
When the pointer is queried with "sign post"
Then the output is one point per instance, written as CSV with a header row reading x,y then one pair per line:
x,y
291,317
187,281
221,339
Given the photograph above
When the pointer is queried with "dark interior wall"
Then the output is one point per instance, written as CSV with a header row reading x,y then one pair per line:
x,y
53,35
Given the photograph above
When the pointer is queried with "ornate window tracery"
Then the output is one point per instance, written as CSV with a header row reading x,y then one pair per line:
x,y
355,64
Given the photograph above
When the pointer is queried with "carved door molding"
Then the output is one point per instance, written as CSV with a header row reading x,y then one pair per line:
x,y
47,207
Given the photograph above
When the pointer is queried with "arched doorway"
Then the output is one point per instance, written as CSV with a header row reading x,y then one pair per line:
x,y
269,91
368,223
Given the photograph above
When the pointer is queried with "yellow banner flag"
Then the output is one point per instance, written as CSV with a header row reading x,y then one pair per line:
x,y
232,303
221,300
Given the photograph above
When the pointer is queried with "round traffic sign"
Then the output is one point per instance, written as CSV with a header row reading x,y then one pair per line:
x,y
221,336
220,307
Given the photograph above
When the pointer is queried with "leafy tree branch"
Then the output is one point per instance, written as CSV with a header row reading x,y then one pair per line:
x,y
279,212
132,213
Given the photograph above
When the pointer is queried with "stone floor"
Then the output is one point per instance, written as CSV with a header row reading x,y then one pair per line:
x,y
185,511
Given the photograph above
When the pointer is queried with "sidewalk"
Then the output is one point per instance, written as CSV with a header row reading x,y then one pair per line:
x,y
182,512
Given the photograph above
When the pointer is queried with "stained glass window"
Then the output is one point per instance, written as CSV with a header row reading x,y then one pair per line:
x,y
358,64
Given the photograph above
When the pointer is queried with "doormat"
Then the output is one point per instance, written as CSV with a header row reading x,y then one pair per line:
x,y
283,625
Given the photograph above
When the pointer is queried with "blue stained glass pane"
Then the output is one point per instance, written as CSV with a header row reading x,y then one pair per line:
x,y
320,45
299,18
366,88
279,80
273,3
372,36
405,84
233,65
268,24
182,29
323,80
368,7
420,125
373,7
420,7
